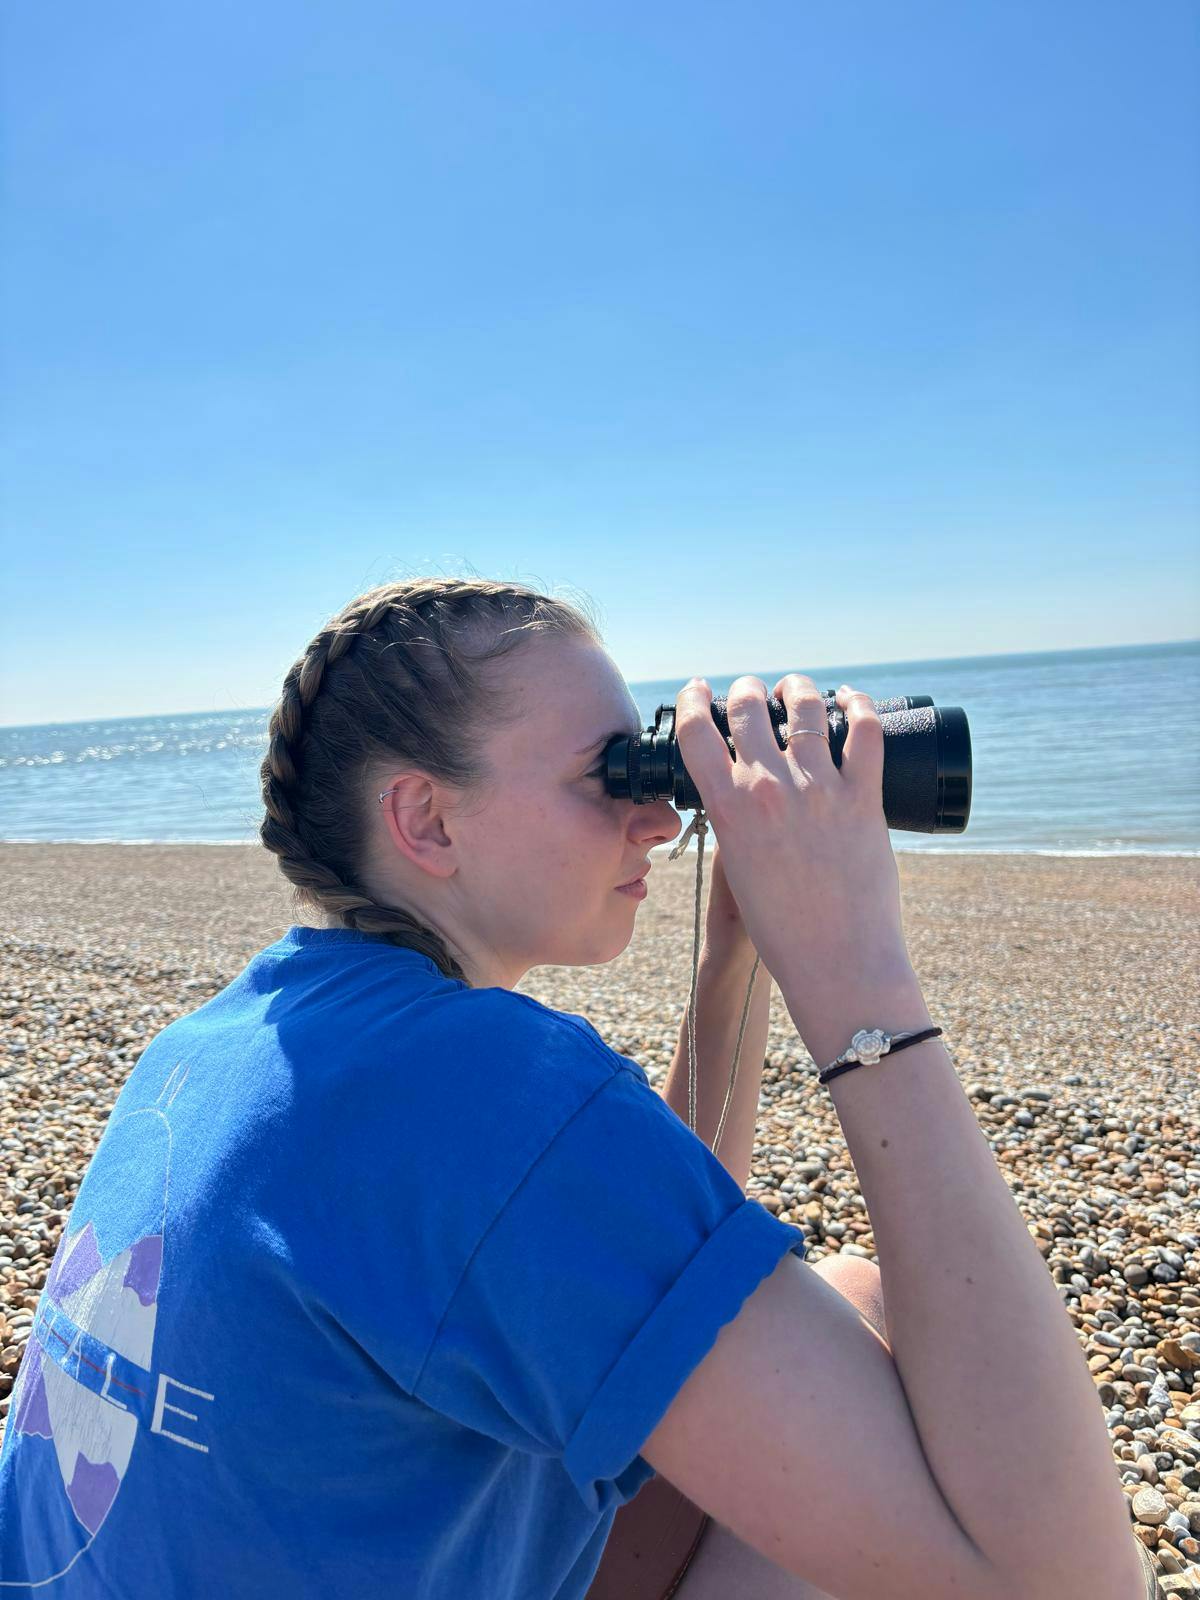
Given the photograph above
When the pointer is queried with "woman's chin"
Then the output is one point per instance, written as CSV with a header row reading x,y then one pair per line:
x,y
598,951
621,945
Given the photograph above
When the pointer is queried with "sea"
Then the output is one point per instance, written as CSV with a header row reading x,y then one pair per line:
x,y
1074,752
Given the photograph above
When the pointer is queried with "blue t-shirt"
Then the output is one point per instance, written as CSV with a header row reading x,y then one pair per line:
x,y
375,1286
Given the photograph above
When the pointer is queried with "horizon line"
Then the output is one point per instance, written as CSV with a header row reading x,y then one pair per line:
x,y
898,661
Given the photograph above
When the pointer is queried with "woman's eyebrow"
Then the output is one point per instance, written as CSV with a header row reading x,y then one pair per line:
x,y
619,733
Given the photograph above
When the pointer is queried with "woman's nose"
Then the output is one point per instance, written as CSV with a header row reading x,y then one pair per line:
x,y
659,821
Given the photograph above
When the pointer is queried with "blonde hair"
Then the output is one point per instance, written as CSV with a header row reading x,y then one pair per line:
x,y
399,676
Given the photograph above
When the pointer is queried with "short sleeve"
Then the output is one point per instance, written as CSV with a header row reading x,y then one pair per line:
x,y
601,1284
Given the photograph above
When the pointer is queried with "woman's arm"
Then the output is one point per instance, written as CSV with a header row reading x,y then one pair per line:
x,y
726,961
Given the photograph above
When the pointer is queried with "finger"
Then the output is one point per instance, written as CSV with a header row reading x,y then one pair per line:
x,y
750,725
862,753
705,753
807,722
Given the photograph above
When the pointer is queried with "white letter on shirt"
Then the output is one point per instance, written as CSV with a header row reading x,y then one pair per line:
x,y
161,1404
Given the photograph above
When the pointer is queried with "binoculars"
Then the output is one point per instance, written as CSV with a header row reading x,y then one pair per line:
x,y
926,760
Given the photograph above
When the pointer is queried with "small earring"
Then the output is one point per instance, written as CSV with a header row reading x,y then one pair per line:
x,y
387,792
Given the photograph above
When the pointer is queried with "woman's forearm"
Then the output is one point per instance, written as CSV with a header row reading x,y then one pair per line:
x,y
721,981
997,1384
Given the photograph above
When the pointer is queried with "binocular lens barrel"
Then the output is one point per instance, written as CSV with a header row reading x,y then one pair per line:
x,y
926,760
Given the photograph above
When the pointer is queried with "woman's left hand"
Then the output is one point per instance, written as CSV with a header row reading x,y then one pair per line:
x,y
723,925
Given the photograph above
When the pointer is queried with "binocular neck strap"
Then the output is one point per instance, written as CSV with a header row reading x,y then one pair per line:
x,y
699,826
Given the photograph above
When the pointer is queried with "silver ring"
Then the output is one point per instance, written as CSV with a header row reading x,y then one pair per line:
x,y
794,733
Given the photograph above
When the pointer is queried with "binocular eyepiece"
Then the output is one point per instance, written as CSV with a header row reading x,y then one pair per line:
x,y
926,760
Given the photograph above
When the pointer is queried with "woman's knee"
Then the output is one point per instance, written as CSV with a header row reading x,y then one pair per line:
x,y
859,1281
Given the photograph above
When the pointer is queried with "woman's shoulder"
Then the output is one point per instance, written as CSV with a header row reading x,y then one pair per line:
x,y
509,1023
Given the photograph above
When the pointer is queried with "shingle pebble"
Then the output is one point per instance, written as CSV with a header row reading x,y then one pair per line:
x,y
1066,988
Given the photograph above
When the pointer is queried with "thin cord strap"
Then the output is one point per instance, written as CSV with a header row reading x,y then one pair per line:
x,y
737,1054
698,827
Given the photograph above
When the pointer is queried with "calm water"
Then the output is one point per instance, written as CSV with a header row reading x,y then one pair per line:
x,y
1091,752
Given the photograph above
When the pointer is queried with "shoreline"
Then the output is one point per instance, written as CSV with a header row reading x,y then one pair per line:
x,y
1068,988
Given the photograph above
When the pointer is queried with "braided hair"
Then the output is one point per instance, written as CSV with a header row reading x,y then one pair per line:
x,y
399,676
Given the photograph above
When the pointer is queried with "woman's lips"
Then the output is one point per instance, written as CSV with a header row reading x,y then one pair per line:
x,y
637,889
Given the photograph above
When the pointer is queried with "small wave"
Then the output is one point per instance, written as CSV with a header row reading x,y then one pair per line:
x,y
219,843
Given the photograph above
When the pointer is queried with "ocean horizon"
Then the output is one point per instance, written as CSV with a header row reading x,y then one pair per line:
x,y
1092,752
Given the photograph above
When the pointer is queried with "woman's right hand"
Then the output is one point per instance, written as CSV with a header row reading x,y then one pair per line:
x,y
806,851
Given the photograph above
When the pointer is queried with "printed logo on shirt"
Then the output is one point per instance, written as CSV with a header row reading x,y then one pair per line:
x,y
87,1386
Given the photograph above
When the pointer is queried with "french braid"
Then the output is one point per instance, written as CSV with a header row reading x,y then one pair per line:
x,y
397,676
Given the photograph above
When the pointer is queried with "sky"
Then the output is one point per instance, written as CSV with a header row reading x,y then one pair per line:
x,y
783,334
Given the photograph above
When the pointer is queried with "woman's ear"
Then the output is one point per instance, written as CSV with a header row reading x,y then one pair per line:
x,y
413,816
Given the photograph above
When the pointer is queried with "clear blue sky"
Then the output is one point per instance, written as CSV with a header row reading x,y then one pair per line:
x,y
788,333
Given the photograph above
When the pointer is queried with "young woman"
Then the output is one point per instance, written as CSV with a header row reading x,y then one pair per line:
x,y
387,1280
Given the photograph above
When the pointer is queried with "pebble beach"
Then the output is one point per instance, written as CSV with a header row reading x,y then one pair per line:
x,y
1067,988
